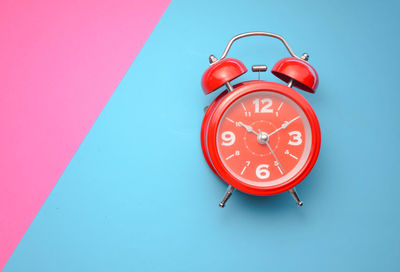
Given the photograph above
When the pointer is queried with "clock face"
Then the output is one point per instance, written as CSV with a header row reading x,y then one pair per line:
x,y
264,138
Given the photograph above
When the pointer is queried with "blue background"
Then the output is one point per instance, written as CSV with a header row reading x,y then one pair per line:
x,y
138,195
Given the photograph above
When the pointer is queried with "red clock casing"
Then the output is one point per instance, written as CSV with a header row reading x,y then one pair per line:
x,y
212,120
260,137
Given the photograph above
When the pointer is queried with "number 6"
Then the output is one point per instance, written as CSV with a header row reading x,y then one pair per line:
x,y
262,171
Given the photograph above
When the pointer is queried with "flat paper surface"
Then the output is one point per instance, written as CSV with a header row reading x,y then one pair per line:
x,y
139,196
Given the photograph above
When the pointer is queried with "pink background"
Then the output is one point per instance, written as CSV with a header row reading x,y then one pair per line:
x,y
60,62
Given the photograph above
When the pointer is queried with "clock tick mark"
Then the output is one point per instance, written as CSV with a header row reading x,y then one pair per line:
x,y
230,120
293,156
244,168
280,170
244,108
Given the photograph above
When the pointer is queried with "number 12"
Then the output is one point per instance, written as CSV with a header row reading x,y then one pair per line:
x,y
265,108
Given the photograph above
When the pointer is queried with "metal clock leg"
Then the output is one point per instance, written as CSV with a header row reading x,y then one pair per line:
x,y
290,84
229,86
227,195
295,196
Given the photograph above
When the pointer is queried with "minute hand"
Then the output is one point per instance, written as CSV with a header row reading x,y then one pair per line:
x,y
276,158
284,125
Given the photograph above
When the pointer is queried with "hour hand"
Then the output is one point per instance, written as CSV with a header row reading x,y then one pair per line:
x,y
248,128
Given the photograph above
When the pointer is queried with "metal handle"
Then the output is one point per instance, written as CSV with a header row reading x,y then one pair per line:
x,y
258,33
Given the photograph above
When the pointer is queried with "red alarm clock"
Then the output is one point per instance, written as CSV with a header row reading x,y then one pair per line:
x,y
260,137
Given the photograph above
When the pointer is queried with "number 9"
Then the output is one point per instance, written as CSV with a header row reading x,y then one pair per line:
x,y
228,138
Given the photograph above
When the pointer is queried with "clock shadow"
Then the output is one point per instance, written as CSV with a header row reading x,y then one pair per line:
x,y
271,204
261,205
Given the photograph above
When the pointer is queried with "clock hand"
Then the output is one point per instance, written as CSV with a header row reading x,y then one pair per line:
x,y
263,138
276,158
284,125
248,128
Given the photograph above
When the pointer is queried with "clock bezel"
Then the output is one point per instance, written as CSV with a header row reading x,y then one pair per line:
x,y
217,112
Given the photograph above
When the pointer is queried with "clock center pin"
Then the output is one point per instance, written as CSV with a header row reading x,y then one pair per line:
x,y
262,138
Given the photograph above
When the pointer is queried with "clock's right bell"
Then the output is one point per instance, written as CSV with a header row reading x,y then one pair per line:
x,y
300,71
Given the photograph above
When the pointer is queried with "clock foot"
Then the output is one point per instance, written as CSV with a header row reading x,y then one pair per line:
x,y
227,195
295,196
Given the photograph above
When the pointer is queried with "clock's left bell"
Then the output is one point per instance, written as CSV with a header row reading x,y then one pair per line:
x,y
220,73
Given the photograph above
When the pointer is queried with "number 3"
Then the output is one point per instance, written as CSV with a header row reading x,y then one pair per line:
x,y
296,138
